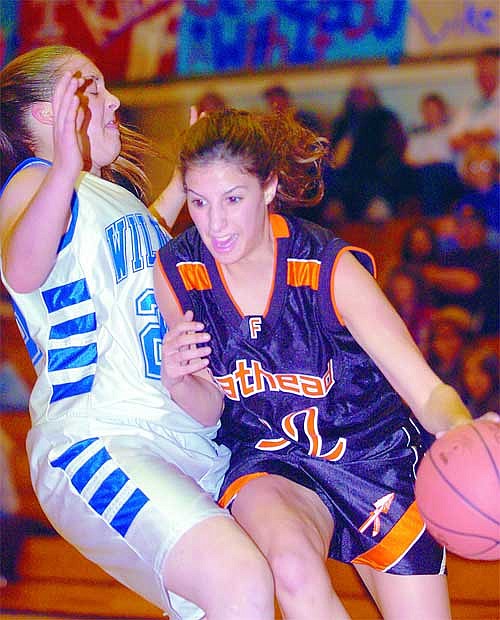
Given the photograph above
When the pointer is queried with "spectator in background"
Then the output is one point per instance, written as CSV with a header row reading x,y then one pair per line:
x,y
406,293
419,252
429,143
210,101
468,272
376,184
429,152
344,128
420,245
279,98
450,333
480,173
478,119
480,382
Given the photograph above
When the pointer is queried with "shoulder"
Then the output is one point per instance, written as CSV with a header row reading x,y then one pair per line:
x,y
186,246
31,171
309,240
20,186
306,231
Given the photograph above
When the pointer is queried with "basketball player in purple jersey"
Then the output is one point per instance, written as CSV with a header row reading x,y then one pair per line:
x,y
279,329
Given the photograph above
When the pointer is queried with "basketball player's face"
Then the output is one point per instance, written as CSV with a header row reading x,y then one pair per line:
x,y
229,208
99,136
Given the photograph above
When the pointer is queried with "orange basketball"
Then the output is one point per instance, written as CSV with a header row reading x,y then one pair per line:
x,y
458,490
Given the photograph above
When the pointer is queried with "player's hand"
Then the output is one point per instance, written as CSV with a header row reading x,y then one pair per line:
x,y
67,122
184,350
490,416
194,115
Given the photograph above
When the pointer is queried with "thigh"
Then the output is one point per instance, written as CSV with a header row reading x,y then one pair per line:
x,y
124,505
274,509
219,567
413,597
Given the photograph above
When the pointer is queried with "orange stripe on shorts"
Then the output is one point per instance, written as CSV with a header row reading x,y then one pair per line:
x,y
235,487
396,542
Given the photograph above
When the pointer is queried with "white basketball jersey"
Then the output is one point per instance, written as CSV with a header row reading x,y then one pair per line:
x,y
93,329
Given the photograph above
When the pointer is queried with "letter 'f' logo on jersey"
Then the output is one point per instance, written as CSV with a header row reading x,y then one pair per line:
x,y
255,325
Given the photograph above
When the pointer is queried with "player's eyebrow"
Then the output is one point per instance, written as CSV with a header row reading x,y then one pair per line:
x,y
188,189
94,79
235,189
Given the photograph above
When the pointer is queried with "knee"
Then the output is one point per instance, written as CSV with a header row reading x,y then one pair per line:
x,y
295,568
246,577
253,574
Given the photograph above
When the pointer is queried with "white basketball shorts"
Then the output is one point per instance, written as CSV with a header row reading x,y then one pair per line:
x,y
124,494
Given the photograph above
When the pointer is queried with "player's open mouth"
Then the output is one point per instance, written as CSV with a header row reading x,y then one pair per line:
x,y
224,244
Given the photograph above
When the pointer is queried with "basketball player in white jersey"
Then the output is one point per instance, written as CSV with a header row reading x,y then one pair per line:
x,y
121,471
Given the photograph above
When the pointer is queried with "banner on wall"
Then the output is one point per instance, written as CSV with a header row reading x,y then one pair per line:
x,y
441,27
222,35
154,40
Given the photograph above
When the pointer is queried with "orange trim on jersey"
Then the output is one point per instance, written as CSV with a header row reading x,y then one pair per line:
x,y
280,229
226,288
195,276
275,267
235,487
279,226
348,248
167,282
396,542
303,273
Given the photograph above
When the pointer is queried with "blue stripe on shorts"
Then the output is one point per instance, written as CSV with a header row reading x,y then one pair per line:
x,y
126,508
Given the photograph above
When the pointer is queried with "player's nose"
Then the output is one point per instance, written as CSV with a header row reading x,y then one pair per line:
x,y
218,219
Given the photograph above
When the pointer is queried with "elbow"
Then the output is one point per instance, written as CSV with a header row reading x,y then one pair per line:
x,y
22,288
22,281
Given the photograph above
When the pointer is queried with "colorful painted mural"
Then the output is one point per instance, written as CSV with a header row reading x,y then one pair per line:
x,y
156,40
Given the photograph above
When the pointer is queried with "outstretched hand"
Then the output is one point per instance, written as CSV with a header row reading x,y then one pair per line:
x,y
68,117
184,351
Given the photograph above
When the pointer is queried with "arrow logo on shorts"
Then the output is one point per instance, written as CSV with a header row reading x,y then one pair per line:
x,y
382,506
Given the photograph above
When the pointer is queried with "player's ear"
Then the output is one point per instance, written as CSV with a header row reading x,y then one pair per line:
x,y
270,186
42,112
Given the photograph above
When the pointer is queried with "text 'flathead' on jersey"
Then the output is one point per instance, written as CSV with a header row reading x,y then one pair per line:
x,y
250,378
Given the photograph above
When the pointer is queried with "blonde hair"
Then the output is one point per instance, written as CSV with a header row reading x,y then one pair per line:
x,y
31,77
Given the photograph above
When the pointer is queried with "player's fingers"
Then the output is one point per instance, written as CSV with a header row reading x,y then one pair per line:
x,y
65,95
193,115
66,122
192,358
175,339
59,90
491,416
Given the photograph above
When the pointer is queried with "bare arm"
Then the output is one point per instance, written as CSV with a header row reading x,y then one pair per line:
x,y
35,206
185,371
170,202
377,327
